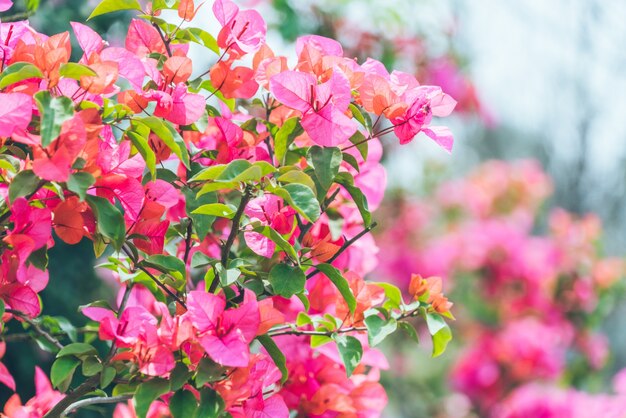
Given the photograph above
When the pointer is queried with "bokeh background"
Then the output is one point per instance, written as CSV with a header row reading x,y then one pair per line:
x,y
535,81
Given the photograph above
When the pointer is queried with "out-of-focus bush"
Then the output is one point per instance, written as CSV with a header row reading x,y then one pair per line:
x,y
531,290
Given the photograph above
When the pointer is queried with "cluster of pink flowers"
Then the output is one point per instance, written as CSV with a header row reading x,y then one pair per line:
x,y
526,302
233,206
411,51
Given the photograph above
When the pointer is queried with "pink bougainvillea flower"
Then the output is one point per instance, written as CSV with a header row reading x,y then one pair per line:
x,y
323,106
269,210
43,401
243,31
430,101
16,111
127,190
30,222
225,335
237,82
179,107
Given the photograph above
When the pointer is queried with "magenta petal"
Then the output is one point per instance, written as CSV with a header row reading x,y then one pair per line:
x,y
88,39
161,363
225,11
441,135
203,309
328,127
272,407
42,383
4,6
260,244
293,89
442,105
186,108
231,351
16,110
23,299
243,321
97,314
6,378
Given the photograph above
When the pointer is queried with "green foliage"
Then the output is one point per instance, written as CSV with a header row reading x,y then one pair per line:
x,y
287,280
54,112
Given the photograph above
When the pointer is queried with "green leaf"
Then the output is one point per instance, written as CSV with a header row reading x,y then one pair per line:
x,y
227,276
297,176
110,221
215,209
183,404
76,71
277,356
326,162
62,371
211,173
301,198
440,332
17,72
287,280
91,366
32,5
200,37
201,223
236,171
2,309
340,283
79,183
211,404
79,350
285,136
410,330
23,184
54,112
358,115
320,340
278,239
350,351
207,372
108,6
350,159
169,135
393,294
379,328
147,393
347,181
359,141
166,264
179,376
107,376
141,143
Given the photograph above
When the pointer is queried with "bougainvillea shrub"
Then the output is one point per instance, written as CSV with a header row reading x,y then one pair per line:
x,y
230,203
529,304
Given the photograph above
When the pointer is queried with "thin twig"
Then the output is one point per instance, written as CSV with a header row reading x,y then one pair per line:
x,y
320,333
234,231
27,336
37,328
94,401
155,280
165,41
188,241
83,389
290,330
